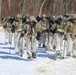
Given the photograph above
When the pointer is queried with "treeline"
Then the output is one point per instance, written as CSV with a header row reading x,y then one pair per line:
x,y
37,7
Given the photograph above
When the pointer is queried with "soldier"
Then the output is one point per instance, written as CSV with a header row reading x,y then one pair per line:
x,y
27,18
51,31
5,26
31,41
68,43
74,35
8,33
18,30
44,25
58,37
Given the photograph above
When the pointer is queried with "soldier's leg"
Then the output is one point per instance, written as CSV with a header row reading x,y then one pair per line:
x,y
64,46
49,43
6,37
21,46
74,48
54,42
24,42
15,37
34,47
28,47
44,40
69,46
58,48
41,40
10,38
16,43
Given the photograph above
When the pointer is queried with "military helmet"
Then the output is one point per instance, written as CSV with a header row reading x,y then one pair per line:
x,y
73,16
27,15
19,16
53,17
32,18
43,15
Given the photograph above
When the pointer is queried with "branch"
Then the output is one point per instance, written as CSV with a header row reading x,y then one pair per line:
x,y
41,7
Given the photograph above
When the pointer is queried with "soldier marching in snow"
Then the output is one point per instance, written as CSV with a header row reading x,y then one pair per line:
x,y
7,25
31,35
74,35
58,34
18,33
44,25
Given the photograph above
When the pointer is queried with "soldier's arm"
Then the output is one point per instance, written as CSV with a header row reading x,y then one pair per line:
x,y
37,28
47,27
24,31
53,27
65,28
5,25
13,27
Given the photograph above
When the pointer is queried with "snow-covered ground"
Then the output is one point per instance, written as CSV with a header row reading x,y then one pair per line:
x,y
45,64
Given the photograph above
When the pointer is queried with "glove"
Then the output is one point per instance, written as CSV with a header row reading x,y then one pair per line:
x,y
22,35
4,27
47,30
12,30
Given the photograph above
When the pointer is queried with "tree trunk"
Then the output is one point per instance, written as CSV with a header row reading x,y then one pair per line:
x,y
0,9
9,5
41,7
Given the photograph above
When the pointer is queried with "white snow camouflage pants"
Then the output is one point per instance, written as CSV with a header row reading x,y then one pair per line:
x,y
31,45
19,42
8,36
49,42
63,46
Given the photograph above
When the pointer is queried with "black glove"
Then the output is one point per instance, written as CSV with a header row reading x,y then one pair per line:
x,y
4,27
22,35
38,36
47,30
12,30
43,31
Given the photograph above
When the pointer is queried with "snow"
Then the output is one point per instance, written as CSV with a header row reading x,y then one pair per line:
x,y
45,64
59,67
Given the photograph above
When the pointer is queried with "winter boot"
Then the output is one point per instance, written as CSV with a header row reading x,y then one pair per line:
x,y
34,55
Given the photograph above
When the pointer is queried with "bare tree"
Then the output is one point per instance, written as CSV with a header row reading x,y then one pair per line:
x,y
9,5
0,9
41,7
37,7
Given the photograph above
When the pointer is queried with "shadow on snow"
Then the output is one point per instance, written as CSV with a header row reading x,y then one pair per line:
x,y
10,48
9,56
42,53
